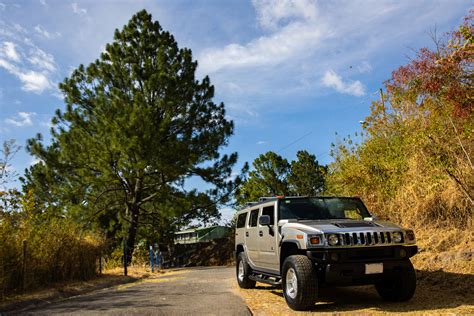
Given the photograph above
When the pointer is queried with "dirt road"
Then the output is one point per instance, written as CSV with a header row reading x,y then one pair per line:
x,y
195,291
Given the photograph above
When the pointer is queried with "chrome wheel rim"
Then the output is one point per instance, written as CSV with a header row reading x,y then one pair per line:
x,y
291,283
241,271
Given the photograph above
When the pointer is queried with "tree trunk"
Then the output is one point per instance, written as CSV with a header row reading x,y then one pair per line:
x,y
132,231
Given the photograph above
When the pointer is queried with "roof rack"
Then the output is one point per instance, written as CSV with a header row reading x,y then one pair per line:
x,y
265,198
250,203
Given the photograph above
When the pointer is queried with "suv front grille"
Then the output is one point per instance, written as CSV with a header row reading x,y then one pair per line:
x,y
364,238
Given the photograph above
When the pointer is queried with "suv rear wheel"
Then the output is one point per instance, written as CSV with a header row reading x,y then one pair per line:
x,y
399,286
300,283
243,271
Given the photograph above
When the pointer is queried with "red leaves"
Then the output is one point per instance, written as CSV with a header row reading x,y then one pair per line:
x,y
445,75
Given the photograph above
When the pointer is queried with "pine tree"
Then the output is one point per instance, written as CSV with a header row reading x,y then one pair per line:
x,y
137,124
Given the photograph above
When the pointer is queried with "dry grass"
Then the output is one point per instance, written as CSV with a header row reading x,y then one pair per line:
x,y
429,299
438,292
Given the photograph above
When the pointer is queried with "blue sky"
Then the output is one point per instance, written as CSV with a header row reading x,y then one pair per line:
x,y
286,70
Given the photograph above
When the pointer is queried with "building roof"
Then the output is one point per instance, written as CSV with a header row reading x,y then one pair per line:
x,y
192,230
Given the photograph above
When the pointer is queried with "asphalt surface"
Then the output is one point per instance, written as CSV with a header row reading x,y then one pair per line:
x,y
194,291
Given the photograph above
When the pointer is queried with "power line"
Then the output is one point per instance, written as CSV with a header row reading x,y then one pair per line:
x,y
294,142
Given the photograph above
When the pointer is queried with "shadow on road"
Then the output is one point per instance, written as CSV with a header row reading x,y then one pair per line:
x,y
435,290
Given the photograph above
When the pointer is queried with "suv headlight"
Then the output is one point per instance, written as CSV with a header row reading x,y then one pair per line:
x,y
397,237
333,240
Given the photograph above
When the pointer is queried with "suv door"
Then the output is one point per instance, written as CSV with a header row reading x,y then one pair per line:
x,y
251,237
267,243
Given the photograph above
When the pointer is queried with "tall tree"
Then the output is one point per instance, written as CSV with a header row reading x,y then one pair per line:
x,y
273,175
137,124
269,178
307,175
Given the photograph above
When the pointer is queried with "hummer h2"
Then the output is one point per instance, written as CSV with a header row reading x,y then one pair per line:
x,y
303,243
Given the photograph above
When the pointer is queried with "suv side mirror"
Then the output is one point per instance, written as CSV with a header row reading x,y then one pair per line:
x,y
264,220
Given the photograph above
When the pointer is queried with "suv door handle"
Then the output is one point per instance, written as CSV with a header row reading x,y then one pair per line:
x,y
260,233
246,234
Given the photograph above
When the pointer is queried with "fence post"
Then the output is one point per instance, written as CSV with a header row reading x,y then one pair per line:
x,y
23,268
100,264
125,258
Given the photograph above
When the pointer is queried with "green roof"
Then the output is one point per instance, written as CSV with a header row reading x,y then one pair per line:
x,y
192,230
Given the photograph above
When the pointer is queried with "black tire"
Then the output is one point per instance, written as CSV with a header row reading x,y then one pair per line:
x,y
399,286
243,280
306,292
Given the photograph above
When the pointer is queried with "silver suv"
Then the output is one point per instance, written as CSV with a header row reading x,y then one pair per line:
x,y
303,243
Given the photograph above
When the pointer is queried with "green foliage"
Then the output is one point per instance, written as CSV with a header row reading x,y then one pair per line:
x,y
269,178
273,175
415,162
137,125
307,175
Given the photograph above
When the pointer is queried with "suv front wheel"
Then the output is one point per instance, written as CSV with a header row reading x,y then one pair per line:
x,y
300,283
243,271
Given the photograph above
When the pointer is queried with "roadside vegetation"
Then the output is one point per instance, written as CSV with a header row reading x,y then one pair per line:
x,y
413,163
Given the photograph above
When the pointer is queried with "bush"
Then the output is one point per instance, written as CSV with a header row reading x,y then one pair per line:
x,y
56,250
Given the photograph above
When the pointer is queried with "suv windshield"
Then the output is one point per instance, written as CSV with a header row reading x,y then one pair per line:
x,y
322,208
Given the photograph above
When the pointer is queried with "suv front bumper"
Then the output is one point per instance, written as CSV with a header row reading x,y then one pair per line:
x,y
347,266
354,273
361,254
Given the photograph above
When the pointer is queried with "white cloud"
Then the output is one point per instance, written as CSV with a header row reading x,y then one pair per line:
x,y
42,60
271,13
332,80
20,57
78,10
9,51
40,30
299,40
43,3
262,142
21,119
266,50
33,81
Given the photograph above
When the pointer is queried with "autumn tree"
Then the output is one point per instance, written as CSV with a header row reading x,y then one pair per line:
x,y
136,126
415,158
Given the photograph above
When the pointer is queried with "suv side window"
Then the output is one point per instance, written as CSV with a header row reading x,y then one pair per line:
x,y
241,220
270,211
253,218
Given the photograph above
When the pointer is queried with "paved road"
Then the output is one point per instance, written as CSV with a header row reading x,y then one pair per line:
x,y
195,291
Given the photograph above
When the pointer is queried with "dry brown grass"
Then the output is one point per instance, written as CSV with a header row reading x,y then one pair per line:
x,y
438,293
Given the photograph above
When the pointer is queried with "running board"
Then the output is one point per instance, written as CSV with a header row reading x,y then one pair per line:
x,y
266,279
